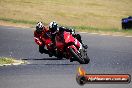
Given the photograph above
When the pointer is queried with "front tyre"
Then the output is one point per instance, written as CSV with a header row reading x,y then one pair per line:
x,y
77,56
86,60
85,56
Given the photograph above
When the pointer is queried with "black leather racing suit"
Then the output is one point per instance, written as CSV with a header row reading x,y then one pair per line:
x,y
62,29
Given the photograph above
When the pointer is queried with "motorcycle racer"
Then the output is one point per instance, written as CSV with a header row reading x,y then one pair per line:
x,y
60,42
53,27
39,34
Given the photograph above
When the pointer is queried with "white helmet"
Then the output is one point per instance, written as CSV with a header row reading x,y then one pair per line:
x,y
39,27
53,26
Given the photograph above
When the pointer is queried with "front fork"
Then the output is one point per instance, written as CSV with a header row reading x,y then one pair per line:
x,y
78,44
69,56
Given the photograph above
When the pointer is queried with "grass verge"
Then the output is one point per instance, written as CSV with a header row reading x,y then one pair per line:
x,y
10,61
83,28
17,21
100,16
115,31
97,13
5,60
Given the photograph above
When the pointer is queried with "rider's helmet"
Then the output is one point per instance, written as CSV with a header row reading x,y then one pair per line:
x,y
53,27
39,27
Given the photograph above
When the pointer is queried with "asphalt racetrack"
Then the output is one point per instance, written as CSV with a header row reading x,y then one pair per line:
x,y
108,54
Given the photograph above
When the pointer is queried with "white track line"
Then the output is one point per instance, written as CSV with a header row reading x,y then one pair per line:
x,y
128,36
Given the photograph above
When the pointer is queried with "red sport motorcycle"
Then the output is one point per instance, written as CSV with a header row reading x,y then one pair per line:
x,y
70,48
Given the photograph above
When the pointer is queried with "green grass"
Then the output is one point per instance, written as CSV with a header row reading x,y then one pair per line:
x,y
84,15
18,21
11,61
101,30
77,28
5,60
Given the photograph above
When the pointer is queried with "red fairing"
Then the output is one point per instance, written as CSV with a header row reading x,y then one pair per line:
x,y
73,47
59,43
77,43
69,38
64,42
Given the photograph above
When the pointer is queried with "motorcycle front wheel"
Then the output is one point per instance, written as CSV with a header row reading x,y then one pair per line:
x,y
77,56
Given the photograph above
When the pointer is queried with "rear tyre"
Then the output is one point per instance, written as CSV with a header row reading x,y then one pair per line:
x,y
77,56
